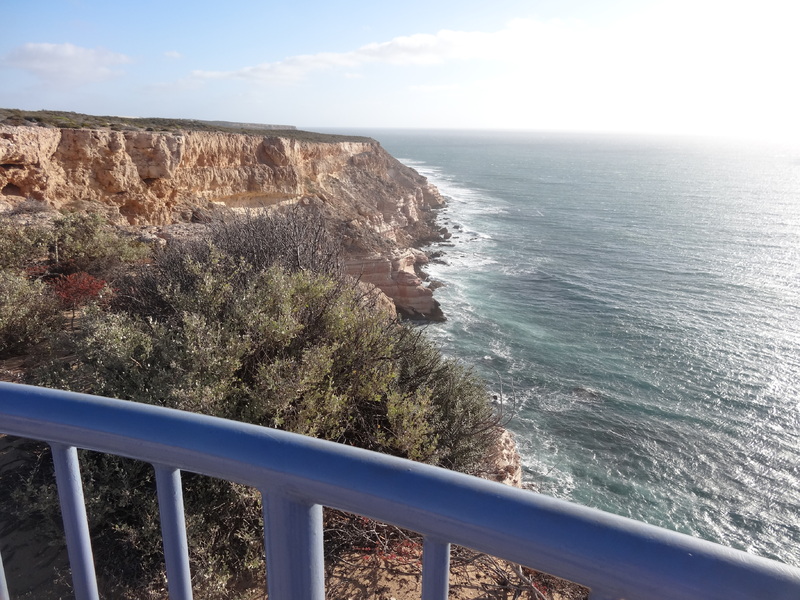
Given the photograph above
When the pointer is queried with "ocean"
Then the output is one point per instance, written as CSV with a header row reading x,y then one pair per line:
x,y
635,301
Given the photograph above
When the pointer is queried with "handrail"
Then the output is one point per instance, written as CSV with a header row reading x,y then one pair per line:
x,y
614,556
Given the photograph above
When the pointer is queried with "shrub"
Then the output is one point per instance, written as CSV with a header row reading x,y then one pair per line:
x,y
84,242
247,332
21,246
201,331
30,206
464,421
75,242
77,290
29,312
297,240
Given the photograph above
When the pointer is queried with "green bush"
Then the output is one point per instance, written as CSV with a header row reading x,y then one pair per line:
x,y
29,312
234,331
201,331
85,242
20,247
74,242
465,423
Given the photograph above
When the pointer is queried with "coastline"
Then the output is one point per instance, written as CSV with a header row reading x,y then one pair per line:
x,y
162,183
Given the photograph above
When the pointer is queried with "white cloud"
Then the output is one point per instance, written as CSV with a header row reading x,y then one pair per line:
x,y
524,41
65,64
429,49
434,88
418,49
290,70
173,54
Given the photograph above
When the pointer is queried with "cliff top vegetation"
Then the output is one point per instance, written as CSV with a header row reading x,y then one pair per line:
x,y
72,120
257,323
254,322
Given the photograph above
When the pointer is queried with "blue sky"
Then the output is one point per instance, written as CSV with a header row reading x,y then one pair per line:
x,y
678,66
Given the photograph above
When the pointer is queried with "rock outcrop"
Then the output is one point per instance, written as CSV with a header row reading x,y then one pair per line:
x,y
396,275
505,463
381,207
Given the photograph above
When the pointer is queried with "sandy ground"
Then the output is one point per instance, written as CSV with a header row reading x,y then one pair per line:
x,y
472,577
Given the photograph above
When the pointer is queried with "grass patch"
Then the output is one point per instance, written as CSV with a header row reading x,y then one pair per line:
x,y
72,120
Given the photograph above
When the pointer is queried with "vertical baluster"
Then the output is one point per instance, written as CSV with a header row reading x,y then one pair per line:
x,y
293,542
76,528
173,532
3,586
435,569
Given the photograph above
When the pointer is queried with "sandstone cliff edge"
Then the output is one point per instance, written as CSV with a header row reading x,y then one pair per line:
x,y
140,178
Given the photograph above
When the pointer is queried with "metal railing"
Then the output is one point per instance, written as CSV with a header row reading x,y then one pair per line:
x,y
617,558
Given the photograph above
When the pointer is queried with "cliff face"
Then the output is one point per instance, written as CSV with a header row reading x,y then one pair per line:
x,y
152,178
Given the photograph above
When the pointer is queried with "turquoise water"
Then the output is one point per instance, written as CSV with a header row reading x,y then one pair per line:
x,y
639,299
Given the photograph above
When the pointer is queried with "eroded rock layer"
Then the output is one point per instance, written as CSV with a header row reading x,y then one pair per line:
x,y
156,178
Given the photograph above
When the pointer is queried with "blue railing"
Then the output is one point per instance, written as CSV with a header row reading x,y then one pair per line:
x,y
616,557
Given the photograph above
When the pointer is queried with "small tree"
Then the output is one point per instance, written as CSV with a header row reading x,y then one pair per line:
x,y
77,290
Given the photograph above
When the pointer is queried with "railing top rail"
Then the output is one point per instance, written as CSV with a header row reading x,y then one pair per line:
x,y
603,551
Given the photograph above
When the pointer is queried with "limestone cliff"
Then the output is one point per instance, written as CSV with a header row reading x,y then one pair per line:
x,y
139,178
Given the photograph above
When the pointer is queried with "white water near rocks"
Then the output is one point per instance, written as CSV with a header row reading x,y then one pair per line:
x,y
640,298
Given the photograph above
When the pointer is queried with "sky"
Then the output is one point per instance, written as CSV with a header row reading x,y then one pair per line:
x,y
707,67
